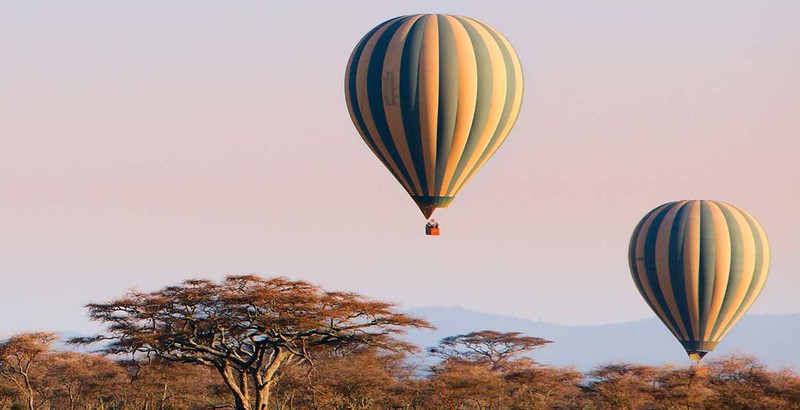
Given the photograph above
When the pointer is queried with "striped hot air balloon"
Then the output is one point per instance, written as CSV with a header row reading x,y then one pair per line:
x,y
433,96
699,265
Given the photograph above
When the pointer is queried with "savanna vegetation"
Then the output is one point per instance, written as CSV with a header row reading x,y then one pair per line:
x,y
250,343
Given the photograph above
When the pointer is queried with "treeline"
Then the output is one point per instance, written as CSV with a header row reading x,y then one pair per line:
x,y
273,344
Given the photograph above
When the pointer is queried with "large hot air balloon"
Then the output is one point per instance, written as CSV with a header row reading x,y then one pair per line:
x,y
699,265
433,96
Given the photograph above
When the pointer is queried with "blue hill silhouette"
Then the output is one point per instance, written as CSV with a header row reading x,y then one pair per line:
x,y
774,339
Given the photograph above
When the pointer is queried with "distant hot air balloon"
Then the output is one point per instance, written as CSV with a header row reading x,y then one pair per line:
x,y
699,265
433,96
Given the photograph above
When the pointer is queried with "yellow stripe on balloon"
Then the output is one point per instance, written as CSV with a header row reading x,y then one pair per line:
x,y
662,267
722,266
514,109
691,265
467,99
496,107
516,105
765,260
746,271
759,271
429,98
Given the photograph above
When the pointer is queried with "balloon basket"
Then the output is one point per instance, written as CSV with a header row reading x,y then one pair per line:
x,y
431,231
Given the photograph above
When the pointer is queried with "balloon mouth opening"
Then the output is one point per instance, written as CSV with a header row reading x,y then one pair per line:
x,y
698,349
428,204
697,355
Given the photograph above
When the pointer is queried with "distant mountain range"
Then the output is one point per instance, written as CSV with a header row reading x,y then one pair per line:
x,y
773,339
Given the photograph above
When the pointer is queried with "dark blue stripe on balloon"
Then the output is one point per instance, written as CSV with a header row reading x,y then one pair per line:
x,y
677,237
633,256
409,98
353,90
708,264
650,266
375,96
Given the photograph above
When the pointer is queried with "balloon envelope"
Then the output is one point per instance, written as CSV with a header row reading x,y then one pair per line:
x,y
433,96
700,266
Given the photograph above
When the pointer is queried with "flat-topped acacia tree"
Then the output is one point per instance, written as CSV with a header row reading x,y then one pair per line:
x,y
490,346
246,327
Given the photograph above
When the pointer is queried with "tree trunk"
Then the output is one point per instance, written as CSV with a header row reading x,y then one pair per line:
x,y
71,399
262,401
263,394
28,389
240,404
238,388
263,382
164,396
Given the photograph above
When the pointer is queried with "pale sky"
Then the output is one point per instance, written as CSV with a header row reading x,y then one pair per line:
x,y
147,142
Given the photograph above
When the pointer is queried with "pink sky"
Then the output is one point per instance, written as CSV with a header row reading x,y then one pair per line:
x,y
143,143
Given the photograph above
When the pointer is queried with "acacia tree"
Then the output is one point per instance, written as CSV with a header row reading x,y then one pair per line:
x,y
490,346
459,384
360,379
162,384
743,382
20,358
683,387
623,386
78,380
537,387
246,327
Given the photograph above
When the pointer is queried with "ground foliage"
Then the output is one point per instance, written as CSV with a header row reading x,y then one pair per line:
x,y
188,346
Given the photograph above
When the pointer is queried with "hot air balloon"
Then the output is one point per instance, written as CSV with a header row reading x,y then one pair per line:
x,y
433,96
700,265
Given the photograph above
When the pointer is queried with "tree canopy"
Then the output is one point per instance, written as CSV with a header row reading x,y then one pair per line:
x,y
246,327
487,345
